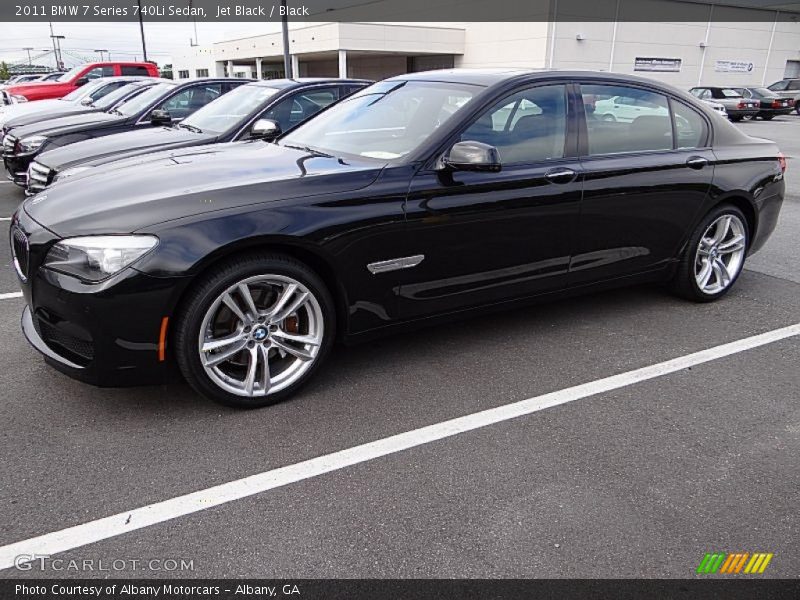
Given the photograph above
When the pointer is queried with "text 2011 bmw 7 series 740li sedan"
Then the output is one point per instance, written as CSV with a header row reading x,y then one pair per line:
x,y
422,197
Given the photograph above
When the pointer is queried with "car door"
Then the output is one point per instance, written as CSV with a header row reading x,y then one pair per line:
x,y
644,183
485,237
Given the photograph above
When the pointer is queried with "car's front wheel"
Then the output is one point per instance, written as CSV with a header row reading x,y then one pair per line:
x,y
714,256
255,330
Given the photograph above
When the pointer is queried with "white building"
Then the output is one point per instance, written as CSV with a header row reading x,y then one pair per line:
x,y
715,45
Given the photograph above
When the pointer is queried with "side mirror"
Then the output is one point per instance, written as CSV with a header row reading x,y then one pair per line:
x,y
472,156
159,116
265,129
82,81
87,102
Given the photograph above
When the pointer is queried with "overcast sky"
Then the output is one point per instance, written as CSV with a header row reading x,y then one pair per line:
x,y
121,39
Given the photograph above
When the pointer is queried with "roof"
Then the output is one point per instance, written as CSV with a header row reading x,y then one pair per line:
x,y
287,83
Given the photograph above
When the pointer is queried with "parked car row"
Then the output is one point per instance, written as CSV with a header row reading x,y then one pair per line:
x,y
780,98
230,242
75,78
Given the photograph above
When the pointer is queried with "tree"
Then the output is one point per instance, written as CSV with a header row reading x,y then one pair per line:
x,y
4,74
166,71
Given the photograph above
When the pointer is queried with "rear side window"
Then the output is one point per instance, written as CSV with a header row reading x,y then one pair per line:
x,y
130,70
625,119
779,86
526,127
794,84
690,127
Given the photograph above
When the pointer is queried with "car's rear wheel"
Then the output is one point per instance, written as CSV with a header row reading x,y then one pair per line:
x,y
255,330
714,256
735,118
767,117
797,107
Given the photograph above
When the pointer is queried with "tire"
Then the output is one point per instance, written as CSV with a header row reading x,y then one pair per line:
x,y
609,118
735,119
292,338
692,262
797,107
767,117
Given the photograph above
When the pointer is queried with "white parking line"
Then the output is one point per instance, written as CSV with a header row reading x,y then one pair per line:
x,y
152,514
10,295
5,218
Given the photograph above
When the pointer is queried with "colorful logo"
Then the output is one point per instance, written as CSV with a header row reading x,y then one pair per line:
x,y
733,563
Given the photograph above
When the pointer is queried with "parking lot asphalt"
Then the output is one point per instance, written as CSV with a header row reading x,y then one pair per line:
x,y
641,481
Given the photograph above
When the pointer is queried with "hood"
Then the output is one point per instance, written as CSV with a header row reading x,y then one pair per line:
x,y
35,86
25,108
67,124
57,110
165,186
98,151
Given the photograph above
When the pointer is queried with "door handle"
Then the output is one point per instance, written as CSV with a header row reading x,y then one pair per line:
x,y
696,162
560,175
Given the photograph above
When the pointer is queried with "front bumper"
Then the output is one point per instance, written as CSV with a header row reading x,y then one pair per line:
x,y
17,167
106,334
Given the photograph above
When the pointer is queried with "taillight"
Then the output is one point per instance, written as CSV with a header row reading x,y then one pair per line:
x,y
777,104
741,105
782,162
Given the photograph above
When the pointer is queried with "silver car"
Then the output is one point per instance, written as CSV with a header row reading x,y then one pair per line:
x,y
788,88
735,104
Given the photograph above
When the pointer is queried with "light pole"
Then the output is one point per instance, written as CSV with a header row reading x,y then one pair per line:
x,y
141,30
101,53
57,39
28,50
287,60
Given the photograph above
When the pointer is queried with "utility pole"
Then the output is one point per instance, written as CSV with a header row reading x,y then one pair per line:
x,y
59,57
55,51
141,30
101,54
28,50
287,59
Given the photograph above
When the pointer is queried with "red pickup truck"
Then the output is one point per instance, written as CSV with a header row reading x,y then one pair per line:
x,y
74,79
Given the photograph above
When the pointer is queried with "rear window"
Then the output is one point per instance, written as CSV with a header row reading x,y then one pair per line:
x,y
730,93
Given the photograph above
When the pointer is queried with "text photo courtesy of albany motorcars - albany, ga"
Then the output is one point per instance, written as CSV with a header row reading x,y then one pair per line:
x,y
526,284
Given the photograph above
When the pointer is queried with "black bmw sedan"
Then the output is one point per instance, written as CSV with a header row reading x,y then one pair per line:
x,y
420,198
770,104
162,104
230,118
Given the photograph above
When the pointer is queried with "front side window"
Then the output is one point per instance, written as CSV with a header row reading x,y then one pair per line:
x,y
690,127
299,107
116,94
613,128
187,101
385,121
99,72
528,126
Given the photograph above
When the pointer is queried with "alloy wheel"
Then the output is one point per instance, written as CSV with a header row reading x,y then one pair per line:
x,y
720,254
261,335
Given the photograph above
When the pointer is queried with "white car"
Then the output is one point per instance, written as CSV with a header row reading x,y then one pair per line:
x,y
626,109
717,107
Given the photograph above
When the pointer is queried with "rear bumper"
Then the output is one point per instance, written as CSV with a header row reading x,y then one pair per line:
x,y
742,112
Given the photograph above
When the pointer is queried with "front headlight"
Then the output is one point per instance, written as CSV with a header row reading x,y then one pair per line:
x,y
16,99
30,144
97,257
66,173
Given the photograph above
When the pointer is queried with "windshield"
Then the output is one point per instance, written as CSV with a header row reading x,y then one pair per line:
x,y
387,120
227,111
85,90
112,98
143,100
72,73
